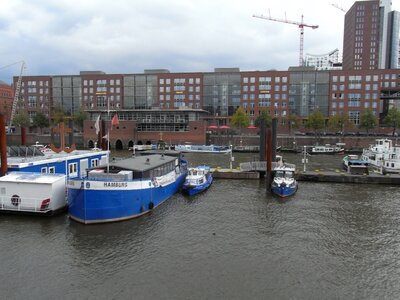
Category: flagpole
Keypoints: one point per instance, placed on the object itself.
(108, 135)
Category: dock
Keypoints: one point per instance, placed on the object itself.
(344, 177)
(233, 174)
(332, 176)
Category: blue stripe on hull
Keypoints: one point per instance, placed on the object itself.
(100, 206)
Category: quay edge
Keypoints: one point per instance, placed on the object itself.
(342, 177)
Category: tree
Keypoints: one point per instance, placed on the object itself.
(368, 120)
(339, 123)
(316, 122)
(58, 115)
(293, 122)
(79, 117)
(392, 119)
(240, 118)
(264, 115)
(40, 120)
(21, 119)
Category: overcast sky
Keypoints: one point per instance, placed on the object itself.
(64, 37)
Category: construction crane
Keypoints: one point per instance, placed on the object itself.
(339, 7)
(16, 95)
(301, 26)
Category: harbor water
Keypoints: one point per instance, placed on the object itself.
(234, 241)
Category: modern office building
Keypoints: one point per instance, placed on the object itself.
(370, 36)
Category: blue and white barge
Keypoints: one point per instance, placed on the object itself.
(125, 189)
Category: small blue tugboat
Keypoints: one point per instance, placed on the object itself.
(198, 180)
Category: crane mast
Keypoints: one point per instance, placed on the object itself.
(301, 25)
(16, 95)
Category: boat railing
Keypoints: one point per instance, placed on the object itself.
(24, 204)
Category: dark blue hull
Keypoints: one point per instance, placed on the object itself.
(283, 191)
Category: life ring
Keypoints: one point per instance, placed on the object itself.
(15, 200)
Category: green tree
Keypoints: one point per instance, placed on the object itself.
(240, 118)
(58, 115)
(40, 120)
(368, 120)
(392, 119)
(316, 122)
(21, 119)
(293, 122)
(339, 123)
(264, 115)
(79, 117)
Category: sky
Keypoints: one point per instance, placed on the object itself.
(65, 37)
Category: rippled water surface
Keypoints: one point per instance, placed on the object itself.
(235, 241)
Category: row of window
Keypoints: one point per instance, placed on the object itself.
(102, 82)
(179, 81)
(264, 79)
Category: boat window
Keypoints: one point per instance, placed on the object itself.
(279, 174)
(288, 174)
(43, 170)
(52, 170)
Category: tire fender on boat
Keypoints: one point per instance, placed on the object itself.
(151, 205)
(155, 182)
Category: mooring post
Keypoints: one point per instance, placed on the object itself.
(262, 141)
(274, 135)
(269, 159)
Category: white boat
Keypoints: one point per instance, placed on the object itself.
(284, 183)
(203, 148)
(383, 156)
(34, 178)
(198, 180)
(30, 192)
(354, 164)
(327, 149)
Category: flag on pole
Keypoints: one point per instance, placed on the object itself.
(115, 120)
(106, 137)
(97, 125)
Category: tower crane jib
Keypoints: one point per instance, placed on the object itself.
(301, 25)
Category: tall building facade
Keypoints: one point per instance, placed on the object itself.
(298, 91)
(370, 36)
(6, 100)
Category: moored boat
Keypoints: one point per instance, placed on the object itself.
(203, 148)
(33, 193)
(125, 189)
(198, 180)
(35, 182)
(284, 183)
(383, 156)
(354, 164)
(327, 149)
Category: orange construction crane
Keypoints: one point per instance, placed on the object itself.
(301, 26)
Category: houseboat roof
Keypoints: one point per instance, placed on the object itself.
(142, 163)
(31, 177)
(23, 161)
